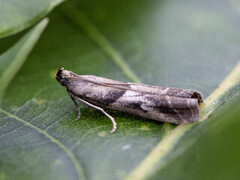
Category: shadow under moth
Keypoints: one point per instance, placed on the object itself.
(165, 104)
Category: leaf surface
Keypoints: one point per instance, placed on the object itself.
(18, 15)
(169, 43)
(12, 60)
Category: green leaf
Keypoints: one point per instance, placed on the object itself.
(165, 153)
(210, 150)
(18, 15)
(169, 43)
(12, 60)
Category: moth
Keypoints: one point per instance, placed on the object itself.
(166, 104)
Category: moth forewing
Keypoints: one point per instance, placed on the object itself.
(177, 92)
(167, 104)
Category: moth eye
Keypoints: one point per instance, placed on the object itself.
(59, 73)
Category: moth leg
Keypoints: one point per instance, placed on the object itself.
(76, 104)
(98, 108)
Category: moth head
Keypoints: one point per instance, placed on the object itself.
(61, 76)
(198, 96)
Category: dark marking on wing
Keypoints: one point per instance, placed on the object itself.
(161, 107)
(169, 112)
(112, 97)
(135, 105)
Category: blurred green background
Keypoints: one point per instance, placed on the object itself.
(185, 44)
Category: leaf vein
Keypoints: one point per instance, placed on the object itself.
(74, 160)
(156, 156)
(83, 22)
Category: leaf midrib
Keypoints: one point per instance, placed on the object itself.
(167, 143)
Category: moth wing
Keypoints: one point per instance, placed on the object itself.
(154, 102)
(157, 90)
(184, 110)
(163, 108)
